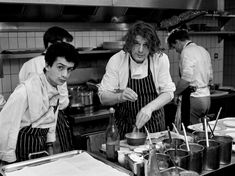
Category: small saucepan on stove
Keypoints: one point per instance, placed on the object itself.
(136, 138)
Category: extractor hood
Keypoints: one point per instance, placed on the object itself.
(99, 10)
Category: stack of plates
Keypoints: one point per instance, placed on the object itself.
(113, 45)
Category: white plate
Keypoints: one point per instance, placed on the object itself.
(229, 123)
(227, 87)
(233, 148)
(217, 128)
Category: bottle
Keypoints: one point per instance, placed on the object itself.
(112, 138)
(152, 168)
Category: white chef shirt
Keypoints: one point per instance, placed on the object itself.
(195, 67)
(30, 104)
(117, 73)
(36, 65)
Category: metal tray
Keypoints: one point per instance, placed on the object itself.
(47, 159)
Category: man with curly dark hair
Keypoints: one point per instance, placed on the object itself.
(138, 81)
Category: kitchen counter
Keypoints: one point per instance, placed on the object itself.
(86, 127)
(223, 169)
(226, 102)
(83, 117)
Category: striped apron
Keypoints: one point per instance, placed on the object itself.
(64, 132)
(31, 140)
(126, 112)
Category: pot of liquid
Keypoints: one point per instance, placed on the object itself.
(136, 138)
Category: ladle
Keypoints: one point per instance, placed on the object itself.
(206, 132)
(212, 134)
(150, 141)
(175, 128)
(169, 134)
(185, 137)
(217, 119)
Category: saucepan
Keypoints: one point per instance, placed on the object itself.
(135, 138)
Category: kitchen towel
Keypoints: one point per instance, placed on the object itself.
(81, 164)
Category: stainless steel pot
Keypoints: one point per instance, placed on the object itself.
(87, 97)
(136, 138)
(75, 99)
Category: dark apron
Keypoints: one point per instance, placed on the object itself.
(126, 112)
(31, 140)
(64, 132)
(185, 104)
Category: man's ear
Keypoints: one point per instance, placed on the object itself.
(47, 67)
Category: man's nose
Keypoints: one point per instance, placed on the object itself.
(141, 48)
(65, 73)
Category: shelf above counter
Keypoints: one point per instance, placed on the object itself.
(212, 32)
(221, 34)
(28, 55)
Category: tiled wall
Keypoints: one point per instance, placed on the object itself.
(33, 40)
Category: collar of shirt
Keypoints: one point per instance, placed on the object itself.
(51, 90)
(187, 43)
(139, 70)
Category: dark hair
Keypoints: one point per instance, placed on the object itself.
(177, 34)
(61, 49)
(55, 34)
(146, 31)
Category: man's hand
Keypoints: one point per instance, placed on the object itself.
(128, 95)
(143, 117)
(176, 99)
(50, 148)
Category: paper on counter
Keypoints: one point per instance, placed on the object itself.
(82, 164)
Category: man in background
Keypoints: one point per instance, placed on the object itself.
(195, 76)
(53, 35)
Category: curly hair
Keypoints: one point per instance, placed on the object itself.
(145, 30)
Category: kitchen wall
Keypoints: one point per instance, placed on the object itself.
(95, 70)
(229, 47)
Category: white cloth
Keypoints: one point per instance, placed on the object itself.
(30, 104)
(82, 164)
(117, 73)
(36, 65)
(195, 67)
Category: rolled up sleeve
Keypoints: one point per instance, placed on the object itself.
(110, 80)
(165, 82)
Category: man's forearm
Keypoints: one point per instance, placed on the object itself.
(181, 86)
(110, 98)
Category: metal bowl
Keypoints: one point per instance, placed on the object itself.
(136, 138)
